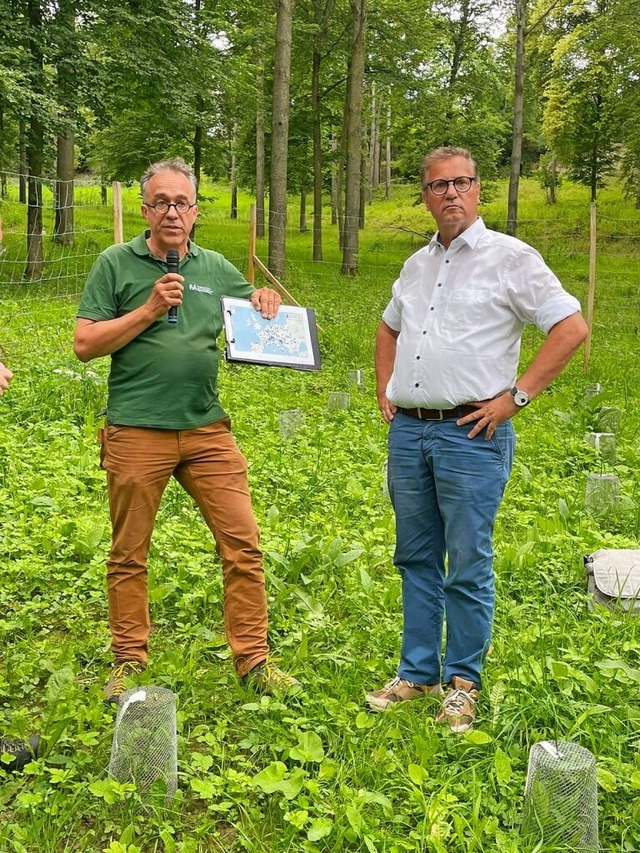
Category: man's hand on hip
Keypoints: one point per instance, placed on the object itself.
(387, 408)
(490, 414)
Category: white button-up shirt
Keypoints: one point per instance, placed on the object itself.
(460, 313)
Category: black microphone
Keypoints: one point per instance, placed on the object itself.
(173, 262)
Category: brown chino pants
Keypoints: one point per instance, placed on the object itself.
(209, 466)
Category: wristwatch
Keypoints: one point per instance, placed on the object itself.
(520, 397)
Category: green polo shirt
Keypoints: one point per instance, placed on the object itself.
(166, 377)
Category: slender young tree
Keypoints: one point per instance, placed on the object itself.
(280, 138)
(353, 137)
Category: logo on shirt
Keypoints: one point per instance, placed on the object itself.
(200, 288)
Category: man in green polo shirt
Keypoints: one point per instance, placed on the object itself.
(164, 419)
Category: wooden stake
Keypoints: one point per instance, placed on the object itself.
(116, 188)
(593, 233)
(251, 270)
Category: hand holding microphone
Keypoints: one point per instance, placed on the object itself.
(173, 262)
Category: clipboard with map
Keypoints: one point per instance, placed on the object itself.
(290, 339)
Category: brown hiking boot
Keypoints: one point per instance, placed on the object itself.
(117, 684)
(459, 705)
(400, 690)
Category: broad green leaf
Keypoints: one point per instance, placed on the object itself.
(309, 748)
(328, 769)
(635, 780)
(292, 786)
(607, 780)
(619, 665)
(204, 788)
(477, 737)
(355, 819)
(320, 828)
(559, 669)
(365, 579)
(269, 779)
(417, 774)
(58, 682)
(364, 720)
(502, 767)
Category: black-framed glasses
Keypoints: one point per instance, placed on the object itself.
(163, 207)
(462, 184)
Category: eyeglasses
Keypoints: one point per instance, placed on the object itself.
(462, 184)
(163, 207)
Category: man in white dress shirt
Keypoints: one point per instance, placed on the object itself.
(447, 354)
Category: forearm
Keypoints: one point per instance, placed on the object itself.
(555, 353)
(103, 337)
(385, 355)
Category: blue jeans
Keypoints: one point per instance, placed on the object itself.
(446, 490)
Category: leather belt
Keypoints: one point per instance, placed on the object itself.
(438, 414)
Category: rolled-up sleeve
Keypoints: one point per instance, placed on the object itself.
(535, 293)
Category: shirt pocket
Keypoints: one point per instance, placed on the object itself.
(466, 309)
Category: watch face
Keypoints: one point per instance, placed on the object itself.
(521, 398)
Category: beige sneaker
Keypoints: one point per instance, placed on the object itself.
(400, 690)
(459, 705)
(121, 672)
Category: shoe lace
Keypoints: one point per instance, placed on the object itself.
(456, 700)
(120, 673)
(393, 683)
(13, 747)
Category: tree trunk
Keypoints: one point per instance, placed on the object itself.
(303, 209)
(234, 172)
(260, 154)
(35, 148)
(518, 120)
(373, 141)
(103, 193)
(66, 84)
(317, 157)
(280, 139)
(22, 157)
(64, 222)
(3, 177)
(334, 181)
(553, 180)
(387, 171)
(363, 189)
(353, 137)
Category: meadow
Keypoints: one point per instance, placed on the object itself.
(315, 772)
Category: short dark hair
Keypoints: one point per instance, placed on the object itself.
(444, 153)
(177, 164)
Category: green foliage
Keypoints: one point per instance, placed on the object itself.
(316, 772)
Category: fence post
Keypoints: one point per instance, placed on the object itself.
(251, 269)
(116, 188)
(593, 233)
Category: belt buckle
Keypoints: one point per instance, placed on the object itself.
(420, 410)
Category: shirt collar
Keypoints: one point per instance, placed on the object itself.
(470, 236)
(139, 246)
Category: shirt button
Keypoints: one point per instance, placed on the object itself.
(417, 384)
(446, 262)
(439, 284)
(424, 333)
(417, 358)
(432, 308)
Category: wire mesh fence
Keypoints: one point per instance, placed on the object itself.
(67, 256)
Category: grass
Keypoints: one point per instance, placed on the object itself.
(317, 773)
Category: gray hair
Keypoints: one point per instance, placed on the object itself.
(177, 164)
(445, 153)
